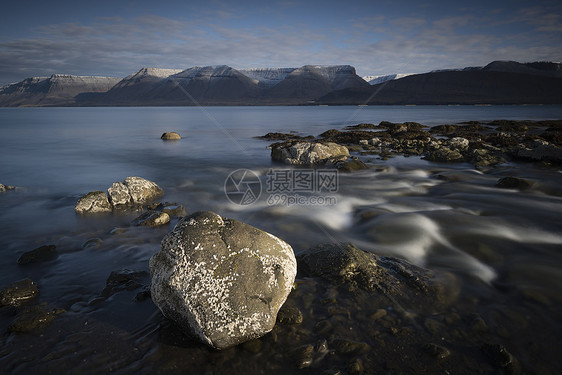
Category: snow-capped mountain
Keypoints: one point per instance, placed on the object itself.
(58, 89)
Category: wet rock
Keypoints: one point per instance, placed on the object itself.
(437, 351)
(18, 293)
(344, 346)
(170, 136)
(380, 313)
(352, 165)
(119, 196)
(142, 191)
(459, 143)
(4, 188)
(444, 154)
(289, 315)
(309, 153)
(221, 280)
(151, 219)
(174, 210)
(40, 254)
(93, 202)
(345, 263)
(34, 318)
(273, 136)
(544, 152)
(502, 357)
(91, 243)
(121, 280)
(514, 183)
(302, 356)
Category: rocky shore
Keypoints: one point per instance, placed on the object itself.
(224, 296)
(482, 144)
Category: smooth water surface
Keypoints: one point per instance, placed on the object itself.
(446, 217)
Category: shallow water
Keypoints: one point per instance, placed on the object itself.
(503, 246)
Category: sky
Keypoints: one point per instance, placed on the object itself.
(377, 37)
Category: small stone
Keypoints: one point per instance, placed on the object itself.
(18, 292)
(170, 136)
(437, 351)
(174, 210)
(478, 324)
(40, 254)
(289, 315)
(344, 346)
(92, 243)
(121, 280)
(323, 327)
(93, 202)
(6, 188)
(302, 356)
(378, 314)
(34, 318)
(356, 366)
(352, 165)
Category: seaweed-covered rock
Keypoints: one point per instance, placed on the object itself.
(309, 153)
(221, 280)
(18, 292)
(345, 263)
(93, 202)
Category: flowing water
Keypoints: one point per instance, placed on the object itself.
(505, 246)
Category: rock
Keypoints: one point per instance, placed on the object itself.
(344, 346)
(152, 219)
(273, 136)
(92, 243)
(437, 351)
(352, 165)
(345, 263)
(544, 152)
(34, 318)
(119, 196)
(40, 254)
(6, 188)
(289, 315)
(444, 154)
(170, 136)
(142, 191)
(123, 280)
(18, 292)
(309, 153)
(172, 209)
(93, 202)
(221, 280)
(514, 183)
(459, 143)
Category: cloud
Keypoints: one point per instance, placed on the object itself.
(378, 44)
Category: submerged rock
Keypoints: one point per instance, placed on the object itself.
(514, 183)
(347, 264)
(93, 202)
(170, 136)
(309, 153)
(34, 318)
(40, 254)
(152, 219)
(221, 280)
(18, 292)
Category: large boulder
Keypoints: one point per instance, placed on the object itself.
(309, 153)
(142, 191)
(221, 280)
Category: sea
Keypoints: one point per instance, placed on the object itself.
(444, 217)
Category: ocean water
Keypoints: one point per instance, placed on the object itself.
(445, 217)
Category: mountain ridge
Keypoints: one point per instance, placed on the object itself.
(500, 82)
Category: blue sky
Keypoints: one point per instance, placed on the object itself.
(117, 38)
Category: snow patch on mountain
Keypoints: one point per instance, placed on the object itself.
(375, 80)
(267, 77)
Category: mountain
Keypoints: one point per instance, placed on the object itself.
(267, 77)
(496, 83)
(374, 80)
(312, 81)
(58, 89)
